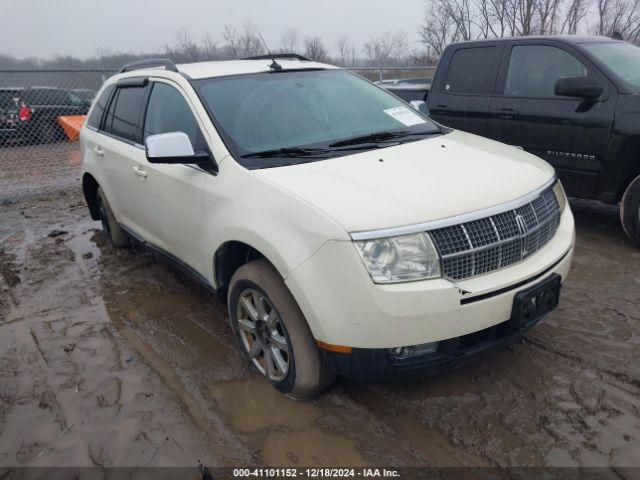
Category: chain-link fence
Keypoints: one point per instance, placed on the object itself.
(44, 106)
(415, 75)
(42, 111)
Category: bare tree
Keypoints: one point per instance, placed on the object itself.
(315, 49)
(463, 15)
(547, 11)
(574, 15)
(386, 49)
(453, 20)
(186, 47)
(209, 47)
(289, 41)
(499, 17)
(243, 43)
(346, 53)
(232, 43)
(438, 29)
(250, 41)
(621, 16)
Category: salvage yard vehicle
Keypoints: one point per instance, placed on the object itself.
(47, 105)
(349, 234)
(412, 93)
(15, 116)
(573, 101)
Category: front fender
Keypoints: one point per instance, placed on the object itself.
(247, 208)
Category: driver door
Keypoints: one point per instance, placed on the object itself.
(570, 133)
(173, 200)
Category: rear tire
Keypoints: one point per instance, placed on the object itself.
(112, 230)
(273, 333)
(630, 211)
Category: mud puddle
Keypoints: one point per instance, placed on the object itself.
(109, 357)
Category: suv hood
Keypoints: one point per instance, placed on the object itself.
(415, 182)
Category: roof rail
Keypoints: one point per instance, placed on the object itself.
(150, 63)
(279, 55)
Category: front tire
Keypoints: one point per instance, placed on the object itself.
(273, 333)
(112, 230)
(630, 211)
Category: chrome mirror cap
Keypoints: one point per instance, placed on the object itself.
(169, 145)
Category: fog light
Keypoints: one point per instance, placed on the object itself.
(401, 352)
(414, 350)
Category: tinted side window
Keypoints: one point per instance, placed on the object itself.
(168, 111)
(472, 71)
(535, 69)
(98, 110)
(123, 119)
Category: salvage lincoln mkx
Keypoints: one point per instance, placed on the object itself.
(348, 233)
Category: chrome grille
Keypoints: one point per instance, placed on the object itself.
(488, 244)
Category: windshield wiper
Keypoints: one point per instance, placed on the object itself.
(287, 152)
(375, 138)
(371, 138)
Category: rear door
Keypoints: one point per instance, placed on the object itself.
(570, 133)
(463, 92)
(122, 152)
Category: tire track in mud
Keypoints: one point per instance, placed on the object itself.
(168, 377)
(59, 376)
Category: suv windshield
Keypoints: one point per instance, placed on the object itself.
(289, 117)
(621, 58)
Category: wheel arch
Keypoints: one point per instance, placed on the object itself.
(631, 167)
(90, 189)
(229, 257)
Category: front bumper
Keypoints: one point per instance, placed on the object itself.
(344, 307)
(378, 364)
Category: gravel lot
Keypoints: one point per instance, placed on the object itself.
(111, 358)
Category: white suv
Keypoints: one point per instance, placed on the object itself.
(348, 233)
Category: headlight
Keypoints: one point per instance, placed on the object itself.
(400, 259)
(560, 195)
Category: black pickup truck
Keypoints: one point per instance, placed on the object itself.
(573, 101)
(47, 104)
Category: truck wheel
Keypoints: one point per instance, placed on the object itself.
(112, 230)
(273, 333)
(630, 211)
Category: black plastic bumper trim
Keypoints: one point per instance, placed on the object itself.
(376, 364)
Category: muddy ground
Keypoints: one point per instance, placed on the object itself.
(109, 357)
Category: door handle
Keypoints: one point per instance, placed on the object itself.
(505, 113)
(139, 172)
(98, 150)
(441, 109)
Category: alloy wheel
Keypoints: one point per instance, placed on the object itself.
(263, 334)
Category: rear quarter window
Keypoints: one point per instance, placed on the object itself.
(98, 110)
(123, 118)
(472, 71)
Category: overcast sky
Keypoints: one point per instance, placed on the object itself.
(43, 28)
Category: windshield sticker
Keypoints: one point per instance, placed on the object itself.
(405, 116)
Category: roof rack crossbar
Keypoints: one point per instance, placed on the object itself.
(150, 63)
(280, 55)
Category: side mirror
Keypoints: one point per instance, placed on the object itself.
(172, 147)
(581, 87)
(421, 106)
